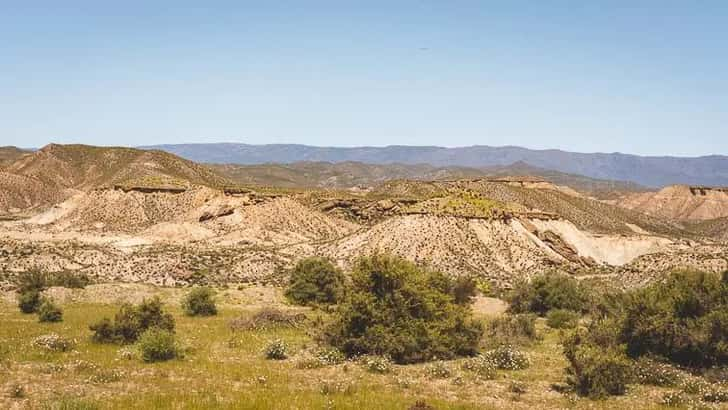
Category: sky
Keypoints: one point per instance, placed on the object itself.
(640, 77)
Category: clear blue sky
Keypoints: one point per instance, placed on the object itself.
(645, 77)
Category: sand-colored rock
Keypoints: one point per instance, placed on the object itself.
(680, 202)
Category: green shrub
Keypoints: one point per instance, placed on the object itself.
(548, 291)
(562, 319)
(315, 281)
(131, 321)
(276, 350)
(29, 301)
(684, 319)
(398, 310)
(519, 329)
(200, 302)
(158, 345)
(595, 371)
(49, 312)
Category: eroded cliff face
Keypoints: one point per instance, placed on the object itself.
(680, 202)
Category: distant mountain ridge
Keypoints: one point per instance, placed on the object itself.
(350, 174)
(652, 171)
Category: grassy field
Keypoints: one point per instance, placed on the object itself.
(223, 369)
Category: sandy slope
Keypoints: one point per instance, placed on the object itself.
(679, 202)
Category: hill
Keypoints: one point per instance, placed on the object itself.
(85, 167)
(55, 172)
(8, 155)
(19, 192)
(652, 171)
(349, 174)
(713, 228)
(533, 195)
(680, 202)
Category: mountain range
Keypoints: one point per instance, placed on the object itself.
(651, 171)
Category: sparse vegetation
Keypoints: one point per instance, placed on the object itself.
(200, 302)
(481, 366)
(37, 280)
(438, 370)
(518, 329)
(315, 281)
(268, 318)
(398, 310)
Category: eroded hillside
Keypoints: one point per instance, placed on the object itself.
(136, 216)
(680, 202)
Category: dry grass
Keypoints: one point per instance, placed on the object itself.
(223, 369)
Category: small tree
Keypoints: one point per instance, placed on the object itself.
(49, 312)
(315, 281)
(398, 310)
(200, 302)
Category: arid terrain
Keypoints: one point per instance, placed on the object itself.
(143, 216)
(141, 223)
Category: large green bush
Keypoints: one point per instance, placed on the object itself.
(131, 321)
(548, 291)
(596, 371)
(684, 319)
(398, 310)
(315, 280)
(157, 345)
(200, 302)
